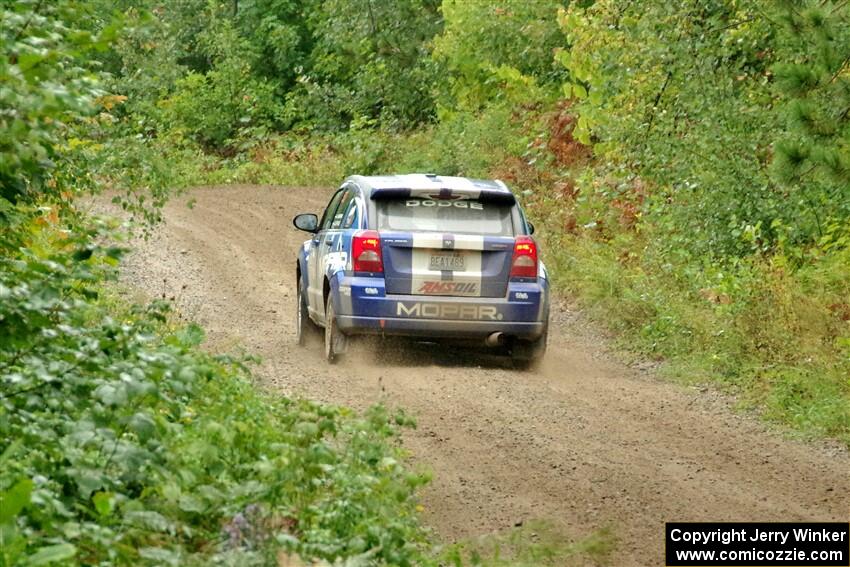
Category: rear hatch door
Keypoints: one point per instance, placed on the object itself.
(459, 247)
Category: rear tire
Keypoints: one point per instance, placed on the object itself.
(335, 341)
(526, 355)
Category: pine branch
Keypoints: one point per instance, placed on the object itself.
(733, 25)
(658, 99)
(840, 68)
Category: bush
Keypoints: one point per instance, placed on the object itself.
(482, 41)
(122, 443)
(227, 102)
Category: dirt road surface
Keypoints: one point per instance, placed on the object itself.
(584, 442)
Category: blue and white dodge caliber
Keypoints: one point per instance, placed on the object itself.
(438, 258)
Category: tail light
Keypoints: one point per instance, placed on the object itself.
(524, 263)
(366, 252)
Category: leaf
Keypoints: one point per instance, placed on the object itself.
(27, 61)
(112, 394)
(307, 429)
(189, 503)
(115, 252)
(191, 335)
(88, 480)
(160, 555)
(579, 91)
(104, 503)
(14, 446)
(83, 254)
(14, 500)
(149, 520)
(52, 554)
(143, 426)
(595, 97)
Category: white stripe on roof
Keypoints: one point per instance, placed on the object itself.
(420, 181)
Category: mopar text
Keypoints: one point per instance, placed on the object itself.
(447, 311)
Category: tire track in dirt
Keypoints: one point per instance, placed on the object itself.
(584, 442)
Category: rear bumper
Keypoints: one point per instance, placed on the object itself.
(365, 308)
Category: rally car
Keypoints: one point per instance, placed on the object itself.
(427, 256)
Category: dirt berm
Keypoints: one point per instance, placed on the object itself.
(584, 442)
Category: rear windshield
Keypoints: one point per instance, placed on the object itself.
(426, 215)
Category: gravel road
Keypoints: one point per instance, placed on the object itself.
(585, 442)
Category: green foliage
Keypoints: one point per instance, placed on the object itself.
(772, 336)
(685, 96)
(57, 118)
(465, 144)
(716, 211)
(279, 35)
(493, 50)
(47, 90)
(812, 75)
(226, 102)
(679, 95)
(144, 65)
(368, 61)
(536, 544)
(122, 443)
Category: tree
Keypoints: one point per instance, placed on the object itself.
(813, 79)
(369, 59)
(484, 43)
(48, 88)
(681, 95)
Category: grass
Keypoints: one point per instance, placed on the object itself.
(534, 544)
(763, 332)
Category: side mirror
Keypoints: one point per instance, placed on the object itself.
(530, 227)
(308, 222)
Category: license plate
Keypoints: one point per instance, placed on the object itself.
(453, 261)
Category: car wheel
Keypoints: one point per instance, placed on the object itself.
(304, 327)
(335, 341)
(526, 355)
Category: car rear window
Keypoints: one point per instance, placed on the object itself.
(461, 216)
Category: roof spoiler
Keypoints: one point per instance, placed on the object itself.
(484, 195)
